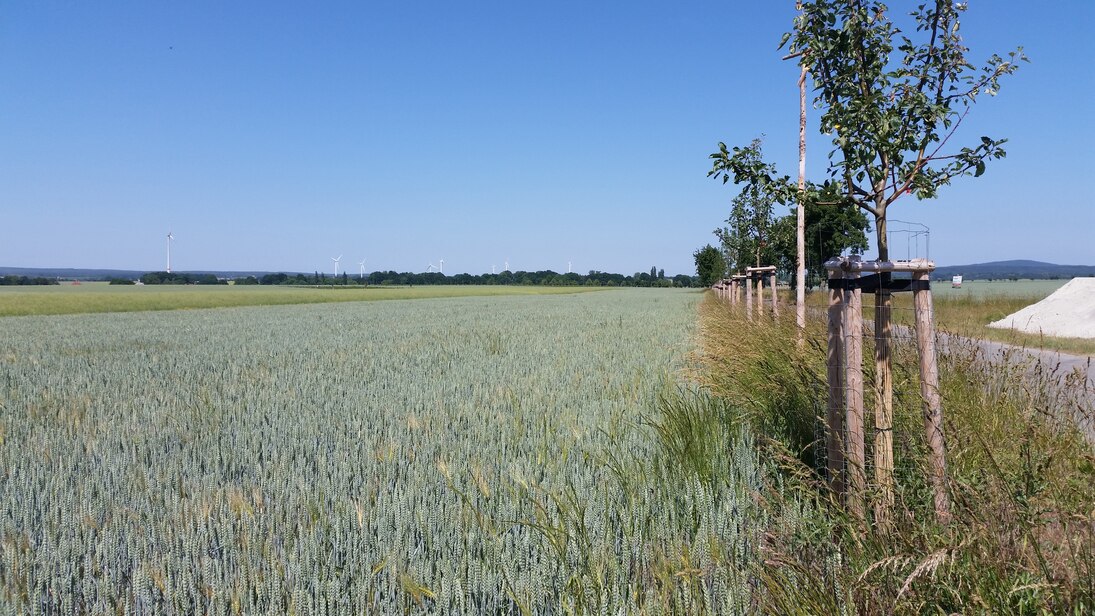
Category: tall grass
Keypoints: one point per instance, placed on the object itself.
(1021, 476)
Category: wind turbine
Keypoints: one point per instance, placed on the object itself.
(492, 270)
(568, 267)
(442, 268)
(169, 238)
(429, 268)
(361, 276)
(336, 260)
(505, 268)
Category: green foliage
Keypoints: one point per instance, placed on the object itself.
(10, 280)
(710, 266)
(537, 278)
(832, 228)
(753, 235)
(893, 95)
(748, 237)
(154, 278)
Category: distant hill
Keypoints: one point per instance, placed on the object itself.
(1003, 270)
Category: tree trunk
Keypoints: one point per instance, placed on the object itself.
(834, 443)
(883, 390)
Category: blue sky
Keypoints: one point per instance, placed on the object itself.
(275, 135)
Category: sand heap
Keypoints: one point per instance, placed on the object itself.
(1068, 313)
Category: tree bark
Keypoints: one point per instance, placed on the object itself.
(834, 439)
(883, 390)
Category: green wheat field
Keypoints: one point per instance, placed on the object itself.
(101, 297)
(455, 455)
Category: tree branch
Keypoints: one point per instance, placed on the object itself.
(922, 160)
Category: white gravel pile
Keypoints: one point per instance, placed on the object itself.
(1068, 313)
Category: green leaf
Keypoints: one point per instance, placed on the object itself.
(986, 141)
(980, 168)
(783, 41)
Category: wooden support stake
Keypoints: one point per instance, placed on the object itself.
(929, 391)
(775, 305)
(759, 294)
(834, 440)
(749, 298)
(856, 448)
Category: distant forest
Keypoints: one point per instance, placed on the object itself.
(11, 281)
(654, 278)
(174, 278)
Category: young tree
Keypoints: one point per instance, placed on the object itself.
(709, 265)
(831, 230)
(893, 113)
(747, 238)
(893, 97)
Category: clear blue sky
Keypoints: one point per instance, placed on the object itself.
(275, 135)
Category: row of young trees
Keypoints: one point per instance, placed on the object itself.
(754, 234)
(891, 98)
(890, 105)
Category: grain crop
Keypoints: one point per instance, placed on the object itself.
(467, 455)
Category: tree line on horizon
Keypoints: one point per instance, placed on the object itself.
(654, 278)
(12, 280)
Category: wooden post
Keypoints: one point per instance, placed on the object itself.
(929, 391)
(775, 304)
(800, 211)
(883, 407)
(856, 448)
(749, 298)
(759, 281)
(834, 440)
